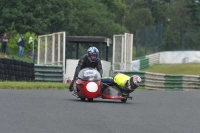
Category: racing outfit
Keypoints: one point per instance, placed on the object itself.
(119, 80)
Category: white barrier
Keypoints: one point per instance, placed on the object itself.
(173, 57)
(170, 57)
(72, 63)
(154, 58)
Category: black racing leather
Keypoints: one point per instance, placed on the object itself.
(84, 62)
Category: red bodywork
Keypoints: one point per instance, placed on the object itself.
(107, 96)
(84, 93)
(88, 85)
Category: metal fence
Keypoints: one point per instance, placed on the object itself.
(149, 40)
(161, 38)
(122, 51)
(51, 49)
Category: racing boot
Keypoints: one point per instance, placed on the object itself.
(71, 86)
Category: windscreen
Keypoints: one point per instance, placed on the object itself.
(89, 74)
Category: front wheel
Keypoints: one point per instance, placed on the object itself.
(90, 99)
(124, 100)
(82, 99)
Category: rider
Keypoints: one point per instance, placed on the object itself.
(124, 82)
(90, 59)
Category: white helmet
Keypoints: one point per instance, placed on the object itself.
(135, 81)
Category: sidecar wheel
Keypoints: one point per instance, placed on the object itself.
(124, 100)
(82, 99)
(90, 99)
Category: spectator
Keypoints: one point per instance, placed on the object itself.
(4, 43)
(21, 46)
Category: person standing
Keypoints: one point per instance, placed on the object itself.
(21, 46)
(4, 43)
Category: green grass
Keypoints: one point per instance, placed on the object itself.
(185, 69)
(33, 85)
(24, 58)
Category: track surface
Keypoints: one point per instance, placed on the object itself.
(57, 111)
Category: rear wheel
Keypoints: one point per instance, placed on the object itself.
(90, 99)
(82, 99)
(124, 100)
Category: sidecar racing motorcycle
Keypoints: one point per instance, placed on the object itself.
(88, 86)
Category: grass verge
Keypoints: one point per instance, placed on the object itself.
(24, 58)
(33, 85)
(184, 69)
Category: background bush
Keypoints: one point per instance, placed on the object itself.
(13, 47)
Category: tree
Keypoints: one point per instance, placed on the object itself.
(159, 10)
(76, 17)
(194, 7)
(117, 8)
(171, 40)
(179, 15)
(139, 19)
(91, 18)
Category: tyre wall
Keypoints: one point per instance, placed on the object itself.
(15, 70)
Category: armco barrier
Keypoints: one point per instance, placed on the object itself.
(153, 58)
(146, 61)
(156, 81)
(143, 62)
(48, 73)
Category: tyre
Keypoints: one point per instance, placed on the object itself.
(1, 66)
(32, 65)
(4, 61)
(124, 100)
(5, 77)
(14, 62)
(2, 71)
(90, 99)
(5, 66)
(11, 61)
(5, 72)
(9, 72)
(82, 99)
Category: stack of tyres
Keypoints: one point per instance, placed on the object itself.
(16, 70)
(2, 77)
(6, 71)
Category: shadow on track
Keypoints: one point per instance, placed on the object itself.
(101, 101)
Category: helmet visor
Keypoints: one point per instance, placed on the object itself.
(128, 85)
(93, 57)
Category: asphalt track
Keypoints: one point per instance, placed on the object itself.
(57, 111)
